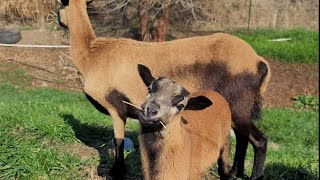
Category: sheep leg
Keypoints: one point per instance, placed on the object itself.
(118, 170)
(223, 160)
(241, 150)
(259, 142)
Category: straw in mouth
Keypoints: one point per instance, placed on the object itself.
(164, 126)
(132, 105)
(141, 110)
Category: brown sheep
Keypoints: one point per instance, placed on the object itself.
(196, 133)
(218, 62)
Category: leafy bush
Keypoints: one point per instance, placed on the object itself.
(306, 101)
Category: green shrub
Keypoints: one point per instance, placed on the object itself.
(306, 101)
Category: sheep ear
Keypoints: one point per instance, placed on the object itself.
(89, 1)
(145, 74)
(65, 2)
(198, 103)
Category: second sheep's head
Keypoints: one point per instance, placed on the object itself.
(166, 99)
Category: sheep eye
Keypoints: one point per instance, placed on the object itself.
(180, 106)
(177, 100)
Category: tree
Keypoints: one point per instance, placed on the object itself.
(156, 28)
(154, 14)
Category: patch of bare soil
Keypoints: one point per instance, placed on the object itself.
(85, 153)
(50, 67)
(290, 80)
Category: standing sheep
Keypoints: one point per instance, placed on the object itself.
(218, 62)
(196, 133)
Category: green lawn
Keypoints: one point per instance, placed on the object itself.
(41, 131)
(302, 48)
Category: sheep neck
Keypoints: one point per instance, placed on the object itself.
(174, 152)
(81, 34)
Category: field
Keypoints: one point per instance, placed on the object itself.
(48, 130)
(54, 134)
(298, 45)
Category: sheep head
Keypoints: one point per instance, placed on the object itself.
(62, 11)
(166, 99)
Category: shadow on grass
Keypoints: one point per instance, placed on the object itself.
(280, 171)
(274, 172)
(99, 137)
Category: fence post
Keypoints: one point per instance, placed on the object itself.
(41, 15)
(249, 16)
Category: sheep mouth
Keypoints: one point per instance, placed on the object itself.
(148, 120)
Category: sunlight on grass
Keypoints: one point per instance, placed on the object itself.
(42, 132)
(35, 123)
(302, 48)
(293, 145)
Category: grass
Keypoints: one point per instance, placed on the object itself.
(10, 73)
(306, 101)
(42, 132)
(27, 28)
(293, 151)
(39, 126)
(303, 48)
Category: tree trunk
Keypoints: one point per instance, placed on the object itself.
(144, 22)
(162, 23)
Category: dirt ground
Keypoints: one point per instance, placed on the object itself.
(52, 67)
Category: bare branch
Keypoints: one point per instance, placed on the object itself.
(111, 6)
(187, 5)
(26, 64)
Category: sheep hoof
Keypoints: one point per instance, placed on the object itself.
(257, 178)
(118, 171)
(234, 175)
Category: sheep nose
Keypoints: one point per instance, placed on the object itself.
(152, 110)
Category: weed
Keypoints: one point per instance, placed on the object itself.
(306, 101)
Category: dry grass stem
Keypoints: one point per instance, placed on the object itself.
(164, 126)
(132, 105)
(25, 10)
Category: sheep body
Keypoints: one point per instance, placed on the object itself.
(117, 58)
(195, 142)
(219, 62)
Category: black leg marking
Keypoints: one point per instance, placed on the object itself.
(118, 170)
(241, 150)
(116, 98)
(259, 142)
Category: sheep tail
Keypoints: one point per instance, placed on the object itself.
(263, 76)
(263, 81)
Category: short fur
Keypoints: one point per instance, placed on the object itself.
(108, 65)
(195, 142)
